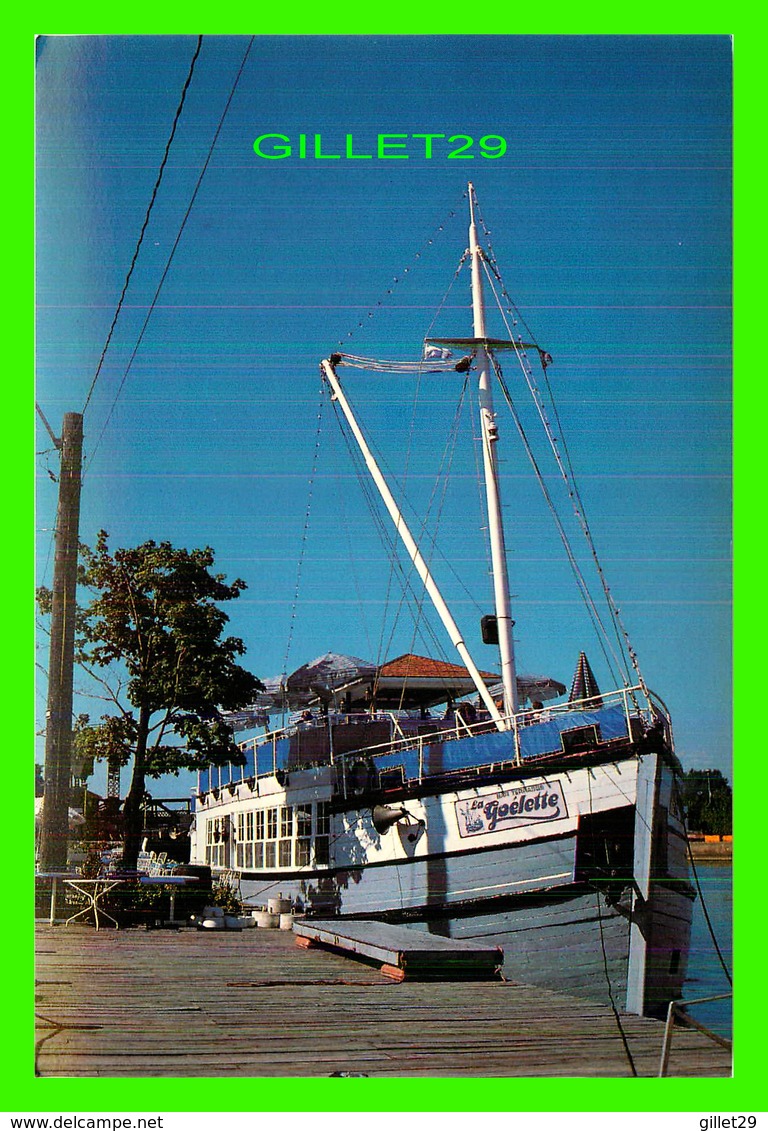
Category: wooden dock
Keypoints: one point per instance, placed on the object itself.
(251, 1003)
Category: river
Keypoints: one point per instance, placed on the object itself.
(705, 972)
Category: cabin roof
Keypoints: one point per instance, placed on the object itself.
(411, 666)
(410, 681)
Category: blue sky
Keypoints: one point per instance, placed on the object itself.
(610, 220)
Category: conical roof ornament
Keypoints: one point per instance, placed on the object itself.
(584, 687)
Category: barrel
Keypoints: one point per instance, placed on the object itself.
(278, 906)
(266, 919)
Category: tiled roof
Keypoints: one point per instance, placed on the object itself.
(410, 666)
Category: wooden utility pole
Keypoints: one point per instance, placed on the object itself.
(58, 736)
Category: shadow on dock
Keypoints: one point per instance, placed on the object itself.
(188, 1004)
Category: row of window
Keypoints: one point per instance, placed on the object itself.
(286, 836)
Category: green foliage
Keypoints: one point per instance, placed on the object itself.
(112, 738)
(225, 896)
(154, 618)
(151, 636)
(708, 800)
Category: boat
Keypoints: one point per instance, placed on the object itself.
(467, 803)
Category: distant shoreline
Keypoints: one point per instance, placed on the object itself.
(714, 851)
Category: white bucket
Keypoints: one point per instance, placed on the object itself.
(278, 906)
(286, 921)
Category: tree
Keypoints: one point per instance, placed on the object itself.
(151, 637)
(708, 800)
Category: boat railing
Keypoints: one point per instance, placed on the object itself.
(384, 756)
(416, 735)
(678, 1011)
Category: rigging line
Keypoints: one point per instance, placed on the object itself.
(600, 631)
(448, 454)
(146, 220)
(485, 533)
(708, 921)
(618, 628)
(346, 524)
(389, 538)
(409, 446)
(581, 583)
(569, 479)
(395, 479)
(443, 472)
(444, 299)
(421, 520)
(493, 263)
(386, 534)
(175, 245)
(305, 531)
(363, 480)
(371, 503)
(522, 358)
(386, 538)
(396, 279)
(588, 535)
(424, 519)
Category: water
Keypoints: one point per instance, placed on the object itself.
(705, 972)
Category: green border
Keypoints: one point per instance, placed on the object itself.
(25, 1093)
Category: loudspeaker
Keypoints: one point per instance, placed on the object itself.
(489, 629)
(384, 817)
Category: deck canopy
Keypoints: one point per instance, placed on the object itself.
(407, 683)
(535, 688)
(314, 682)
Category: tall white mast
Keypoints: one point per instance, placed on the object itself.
(410, 544)
(490, 438)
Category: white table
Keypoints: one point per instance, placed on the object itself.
(94, 891)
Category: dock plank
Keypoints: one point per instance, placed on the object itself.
(156, 1004)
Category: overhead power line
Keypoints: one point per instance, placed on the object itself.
(175, 246)
(146, 219)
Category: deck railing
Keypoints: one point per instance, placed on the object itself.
(405, 737)
(448, 732)
(679, 1009)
